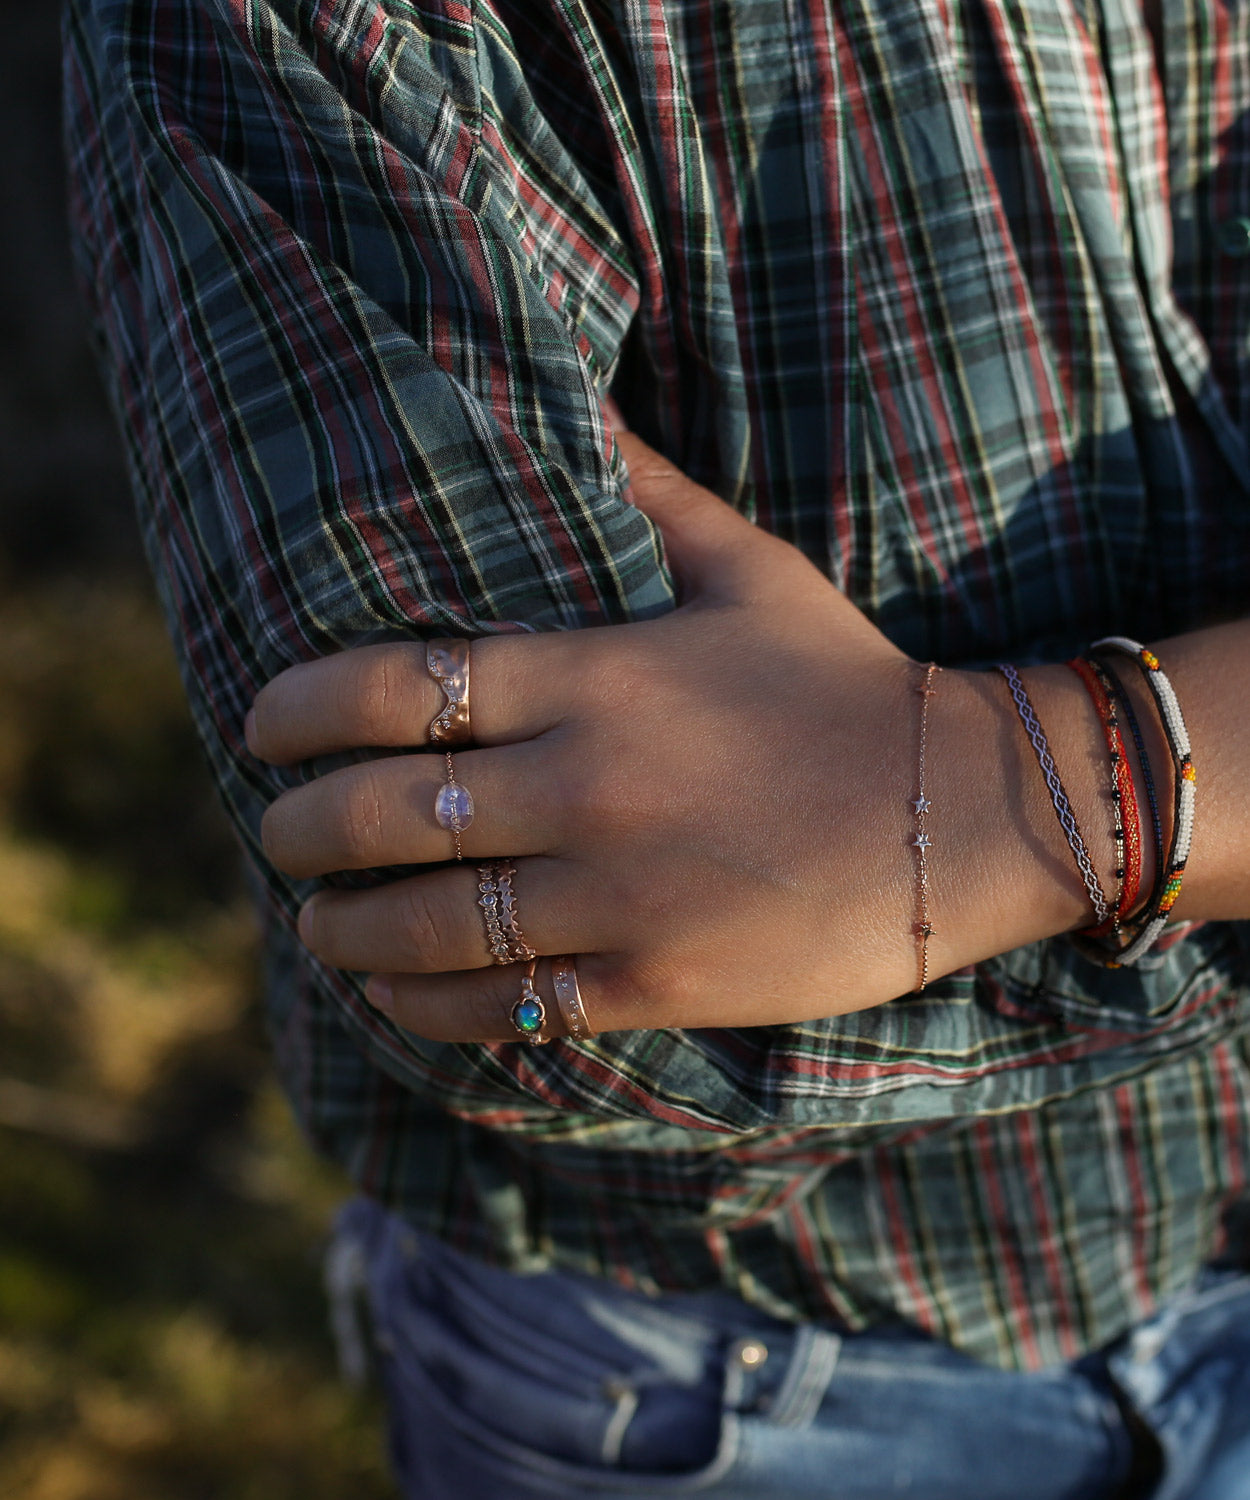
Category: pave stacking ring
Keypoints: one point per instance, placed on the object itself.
(498, 902)
(529, 1012)
(447, 662)
(569, 998)
(521, 950)
(453, 806)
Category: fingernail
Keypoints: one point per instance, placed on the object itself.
(379, 994)
(307, 921)
(249, 730)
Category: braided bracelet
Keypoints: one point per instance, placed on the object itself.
(1170, 875)
(1063, 808)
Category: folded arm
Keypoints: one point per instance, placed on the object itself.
(714, 809)
(360, 402)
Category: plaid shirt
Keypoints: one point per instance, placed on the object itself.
(952, 294)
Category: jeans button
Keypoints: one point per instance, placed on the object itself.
(1234, 236)
(750, 1353)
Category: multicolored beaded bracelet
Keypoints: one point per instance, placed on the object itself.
(1171, 873)
(1143, 759)
(1126, 819)
(1063, 808)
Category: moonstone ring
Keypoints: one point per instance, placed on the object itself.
(453, 806)
(447, 662)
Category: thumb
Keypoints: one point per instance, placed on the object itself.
(711, 548)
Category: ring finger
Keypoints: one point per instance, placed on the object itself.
(441, 921)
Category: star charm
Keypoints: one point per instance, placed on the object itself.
(922, 804)
(921, 841)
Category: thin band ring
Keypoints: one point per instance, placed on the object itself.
(569, 998)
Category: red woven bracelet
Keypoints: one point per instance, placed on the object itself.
(1127, 831)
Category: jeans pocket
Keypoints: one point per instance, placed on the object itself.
(503, 1385)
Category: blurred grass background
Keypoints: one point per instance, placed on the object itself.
(162, 1333)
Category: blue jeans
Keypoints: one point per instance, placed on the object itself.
(562, 1387)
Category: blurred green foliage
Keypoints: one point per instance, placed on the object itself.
(162, 1332)
(162, 1329)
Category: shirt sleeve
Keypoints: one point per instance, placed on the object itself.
(357, 323)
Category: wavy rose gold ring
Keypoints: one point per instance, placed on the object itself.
(447, 662)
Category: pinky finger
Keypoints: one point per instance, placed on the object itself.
(503, 1003)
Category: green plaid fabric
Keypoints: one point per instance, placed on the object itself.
(952, 294)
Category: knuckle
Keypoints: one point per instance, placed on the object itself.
(364, 693)
(422, 922)
(621, 677)
(372, 694)
(617, 804)
(636, 994)
(357, 816)
(481, 1010)
(477, 1012)
(622, 999)
(491, 1010)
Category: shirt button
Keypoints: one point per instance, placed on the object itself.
(1234, 235)
(750, 1353)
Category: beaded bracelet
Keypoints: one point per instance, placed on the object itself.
(1143, 759)
(1126, 819)
(1128, 794)
(1168, 880)
(1063, 808)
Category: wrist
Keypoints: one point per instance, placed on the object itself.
(1001, 870)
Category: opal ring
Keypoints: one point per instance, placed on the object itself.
(529, 1012)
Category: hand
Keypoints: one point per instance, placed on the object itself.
(712, 810)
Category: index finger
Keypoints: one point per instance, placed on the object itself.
(384, 695)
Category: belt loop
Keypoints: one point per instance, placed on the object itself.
(812, 1363)
(346, 1274)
